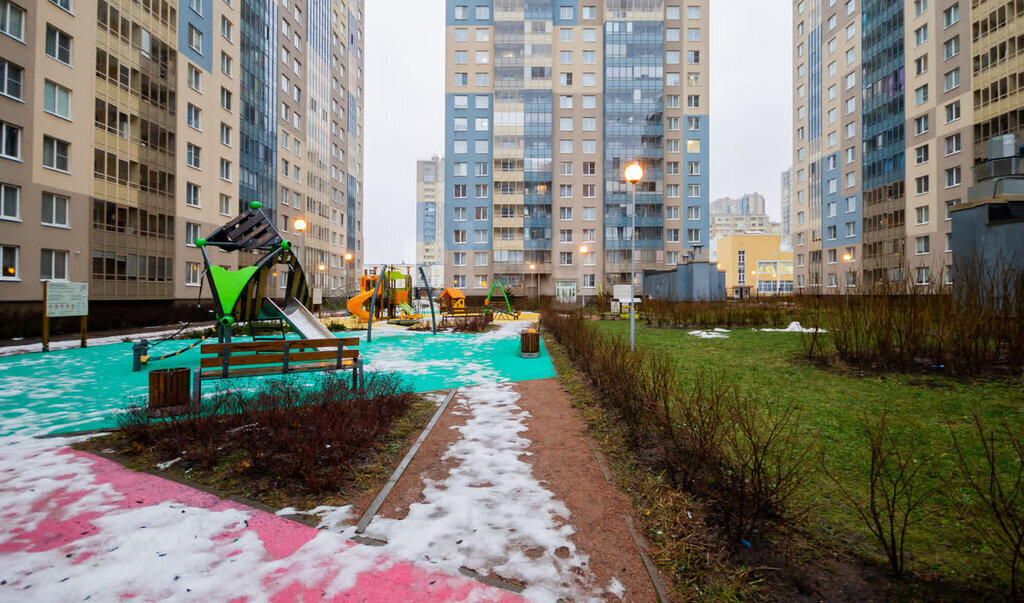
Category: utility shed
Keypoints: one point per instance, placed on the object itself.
(693, 281)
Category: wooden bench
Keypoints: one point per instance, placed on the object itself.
(246, 359)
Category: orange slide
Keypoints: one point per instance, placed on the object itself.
(355, 305)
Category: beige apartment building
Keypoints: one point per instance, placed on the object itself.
(430, 218)
(195, 114)
(881, 140)
(997, 48)
(544, 108)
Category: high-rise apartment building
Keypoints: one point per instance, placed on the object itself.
(430, 216)
(187, 130)
(787, 201)
(882, 140)
(546, 102)
(742, 215)
(997, 48)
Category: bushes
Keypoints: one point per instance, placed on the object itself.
(899, 326)
(284, 431)
(743, 451)
(758, 312)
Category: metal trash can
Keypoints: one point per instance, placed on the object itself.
(169, 388)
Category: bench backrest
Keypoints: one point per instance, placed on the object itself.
(289, 354)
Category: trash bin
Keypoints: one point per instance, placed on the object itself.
(169, 387)
(529, 344)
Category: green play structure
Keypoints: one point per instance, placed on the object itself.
(500, 305)
(240, 296)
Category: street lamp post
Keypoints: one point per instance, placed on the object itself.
(300, 227)
(633, 173)
(583, 296)
(536, 290)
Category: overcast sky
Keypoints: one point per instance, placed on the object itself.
(751, 108)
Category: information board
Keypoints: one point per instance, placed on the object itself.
(318, 297)
(65, 298)
(624, 293)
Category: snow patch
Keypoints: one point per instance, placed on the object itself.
(794, 327)
(716, 334)
(491, 514)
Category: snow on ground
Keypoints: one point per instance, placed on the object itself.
(490, 514)
(715, 334)
(794, 327)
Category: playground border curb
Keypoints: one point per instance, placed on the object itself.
(371, 511)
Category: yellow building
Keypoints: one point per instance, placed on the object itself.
(754, 264)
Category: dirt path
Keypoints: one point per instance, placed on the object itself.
(508, 486)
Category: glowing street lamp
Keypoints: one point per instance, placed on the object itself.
(584, 250)
(633, 173)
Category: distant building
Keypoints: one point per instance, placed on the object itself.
(429, 217)
(755, 264)
(742, 215)
(787, 202)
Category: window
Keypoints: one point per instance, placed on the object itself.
(56, 154)
(483, 13)
(195, 39)
(921, 214)
(480, 146)
(10, 202)
(921, 186)
(459, 191)
(192, 155)
(951, 15)
(952, 79)
(693, 168)
(953, 111)
(672, 13)
(55, 210)
(672, 191)
(225, 134)
(482, 79)
(12, 80)
(479, 236)
(459, 236)
(482, 35)
(225, 170)
(461, 124)
(952, 144)
(921, 94)
(923, 275)
(851, 79)
(921, 154)
(692, 212)
(10, 141)
(57, 100)
(58, 44)
(589, 12)
(481, 191)
(12, 23)
(693, 34)
(565, 236)
(921, 35)
(565, 191)
(481, 213)
(193, 274)
(953, 175)
(461, 57)
(831, 230)
(225, 99)
(693, 235)
(951, 47)
(194, 116)
(693, 57)
(481, 124)
(225, 205)
(483, 57)
(226, 64)
(192, 194)
(565, 258)
(922, 245)
(461, 13)
(53, 265)
(480, 258)
(671, 79)
(589, 34)
(919, 7)
(693, 12)
(461, 79)
(459, 257)
(482, 101)
(920, 125)
(195, 80)
(192, 233)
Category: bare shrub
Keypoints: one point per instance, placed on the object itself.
(896, 500)
(998, 481)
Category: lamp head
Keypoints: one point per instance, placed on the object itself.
(847, 257)
(634, 172)
(300, 224)
(348, 257)
(322, 267)
(533, 266)
(584, 249)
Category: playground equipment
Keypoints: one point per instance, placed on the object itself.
(393, 296)
(453, 301)
(500, 306)
(240, 296)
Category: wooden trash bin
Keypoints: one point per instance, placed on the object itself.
(170, 388)
(529, 344)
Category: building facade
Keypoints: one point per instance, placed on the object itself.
(754, 264)
(998, 60)
(882, 140)
(546, 102)
(187, 130)
(430, 217)
(787, 204)
(741, 215)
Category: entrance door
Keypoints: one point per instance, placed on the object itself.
(565, 292)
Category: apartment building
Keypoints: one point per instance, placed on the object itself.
(430, 217)
(787, 205)
(187, 131)
(997, 48)
(882, 140)
(546, 102)
(741, 215)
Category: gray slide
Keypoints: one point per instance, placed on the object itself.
(301, 319)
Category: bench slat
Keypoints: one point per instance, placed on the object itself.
(293, 357)
(271, 346)
(272, 370)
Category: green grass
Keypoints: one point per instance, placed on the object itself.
(832, 401)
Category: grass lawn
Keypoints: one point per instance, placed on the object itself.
(832, 402)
